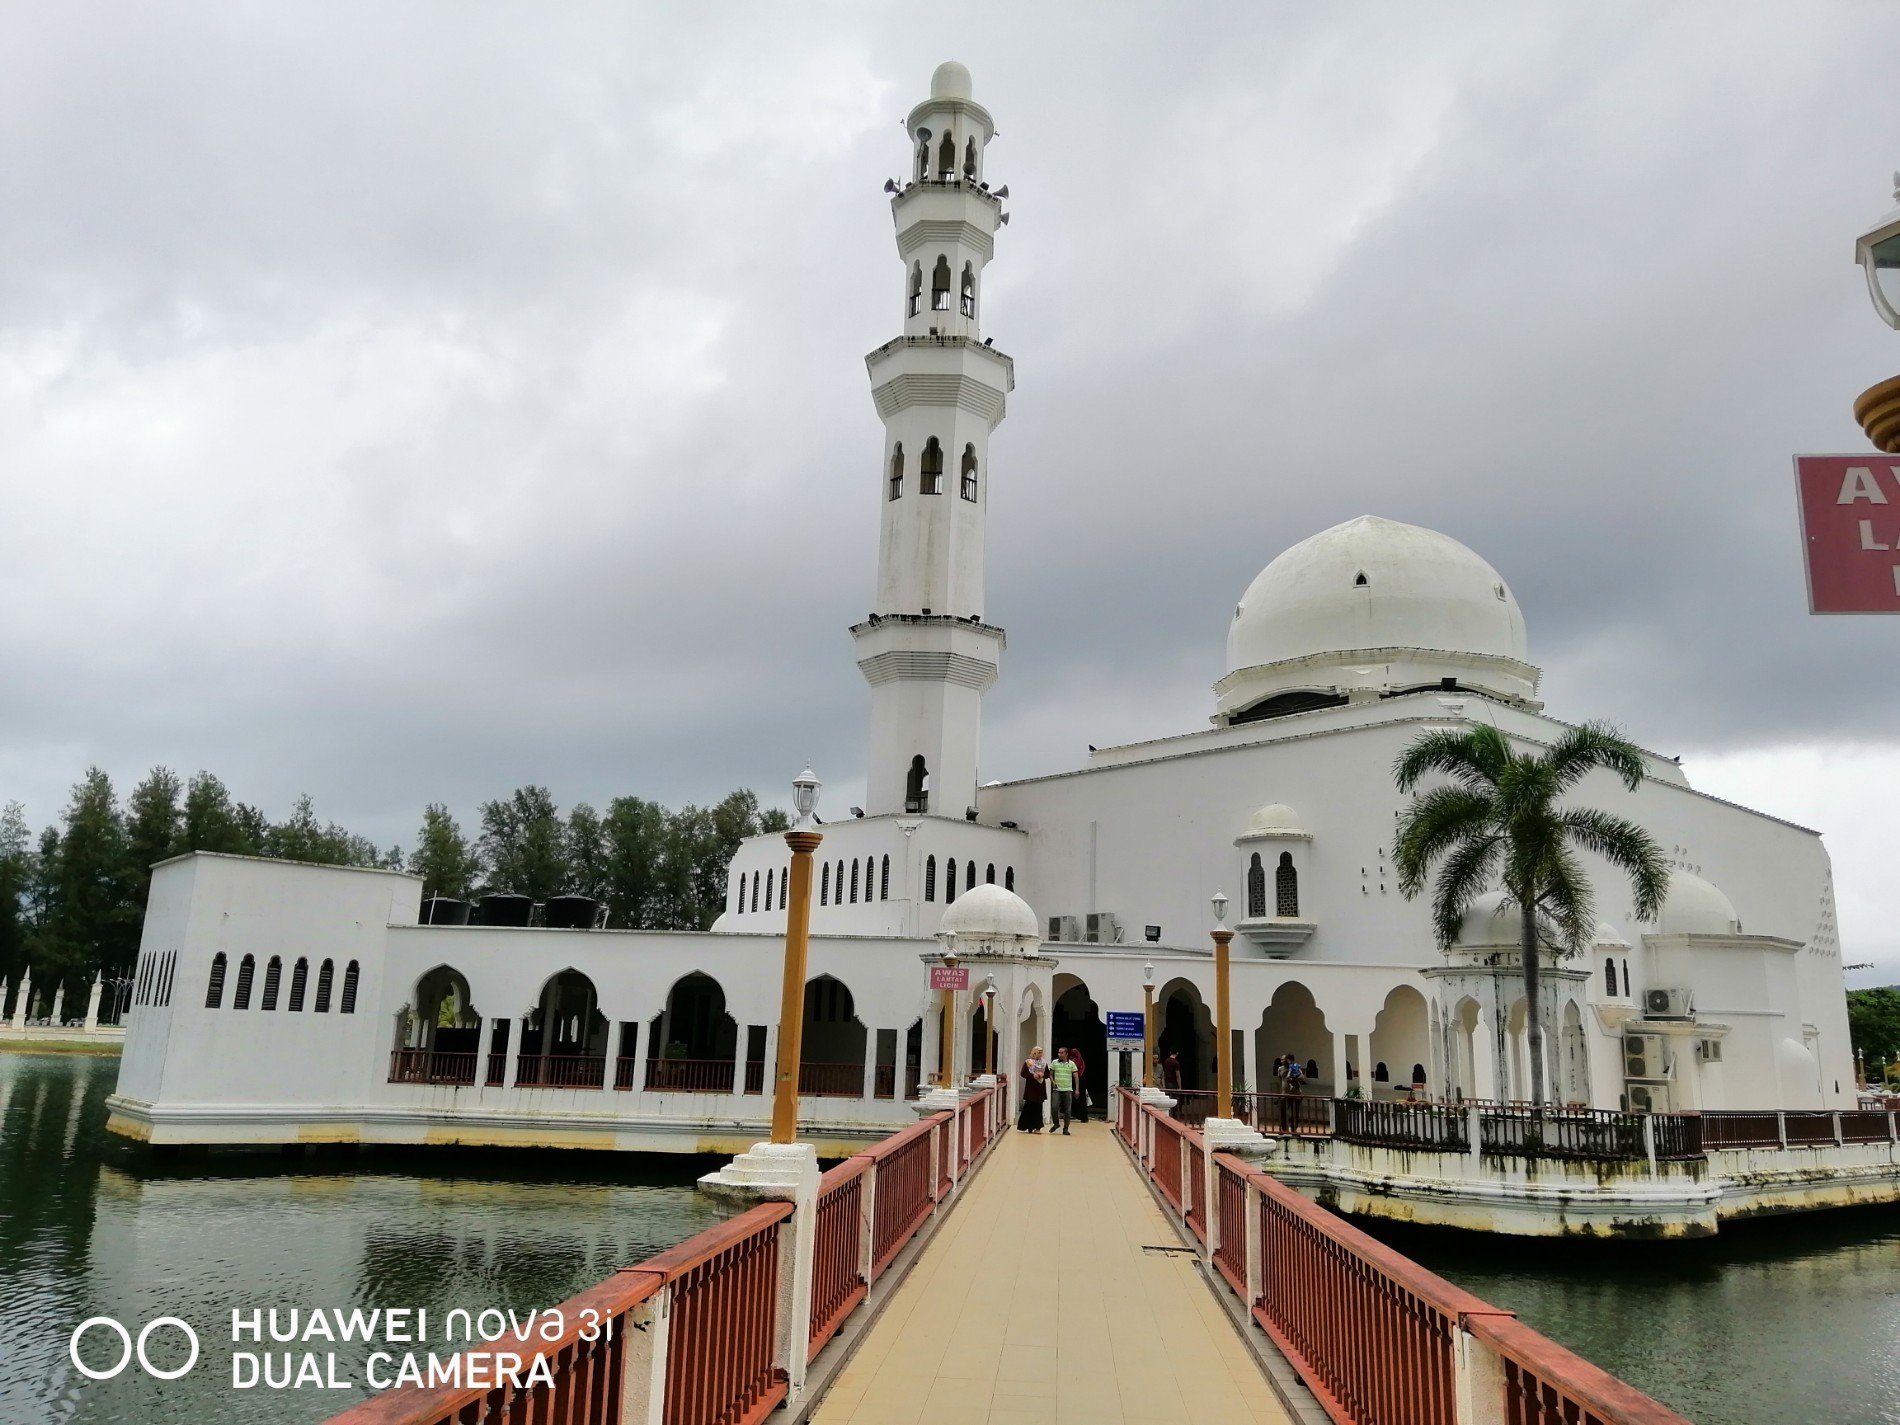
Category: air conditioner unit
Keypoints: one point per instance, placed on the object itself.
(1643, 1056)
(1649, 1098)
(1708, 1051)
(1668, 1004)
(1103, 929)
(1065, 929)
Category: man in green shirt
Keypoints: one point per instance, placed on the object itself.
(1062, 1074)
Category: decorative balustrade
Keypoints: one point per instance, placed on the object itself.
(689, 1075)
(1445, 1128)
(1283, 1113)
(1803, 1128)
(560, 1071)
(723, 1354)
(425, 1066)
(1377, 1338)
(831, 1080)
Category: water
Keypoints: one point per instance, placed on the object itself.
(1782, 1321)
(90, 1225)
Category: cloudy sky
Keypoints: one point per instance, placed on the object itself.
(403, 403)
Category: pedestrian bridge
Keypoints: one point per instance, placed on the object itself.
(962, 1272)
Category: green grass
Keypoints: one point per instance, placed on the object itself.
(57, 1046)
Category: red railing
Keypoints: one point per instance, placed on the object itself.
(560, 1071)
(1195, 1151)
(755, 1076)
(497, 1069)
(837, 1277)
(831, 1080)
(626, 1071)
(723, 1321)
(1866, 1126)
(1230, 1253)
(423, 1066)
(1809, 1127)
(1282, 1113)
(884, 1081)
(1167, 1153)
(1546, 1385)
(903, 1197)
(689, 1075)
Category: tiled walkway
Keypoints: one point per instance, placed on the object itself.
(1035, 1304)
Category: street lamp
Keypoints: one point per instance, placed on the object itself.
(1878, 252)
(989, 1024)
(1224, 1041)
(947, 1040)
(791, 1011)
(1148, 1025)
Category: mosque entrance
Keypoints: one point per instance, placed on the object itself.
(1076, 1023)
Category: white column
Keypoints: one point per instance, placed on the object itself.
(781, 1172)
(25, 999)
(92, 1003)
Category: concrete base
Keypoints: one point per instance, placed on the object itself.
(1154, 1098)
(1230, 1135)
(983, 1081)
(766, 1172)
(937, 1100)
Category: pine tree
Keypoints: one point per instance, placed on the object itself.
(154, 828)
(635, 832)
(443, 858)
(212, 823)
(94, 923)
(523, 845)
(587, 853)
(16, 887)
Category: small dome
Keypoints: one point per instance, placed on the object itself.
(1375, 604)
(989, 916)
(1607, 938)
(1695, 907)
(1490, 923)
(951, 81)
(1276, 817)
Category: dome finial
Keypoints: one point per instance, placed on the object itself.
(951, 81)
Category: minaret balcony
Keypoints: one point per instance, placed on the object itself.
(1277, 935)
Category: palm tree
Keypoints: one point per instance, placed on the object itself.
(1498, 818)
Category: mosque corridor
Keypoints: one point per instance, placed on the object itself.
(1037, 1303)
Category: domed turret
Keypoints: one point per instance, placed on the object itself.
(1696, 907)
(1373, 607)
(951, 81)
(1491, 923)
(988, 920)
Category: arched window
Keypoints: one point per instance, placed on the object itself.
(1379, 1073)
(247, 969)
(171, 970)
(1286, 887)
(917, 786)
(930, 878)
(968, 299)
(755, 892)
(897, 471)
(950, 879)
(1629, 985)
(947, 158)
(326, 977)
(350, 976)
(273, 976)
(1312, 1070)
(214, 990)
(989, 874)
(884, 880)
(940, 285)
(969, 877)
(930, 468)
(1256, 887)
(138, 979)
(299, 982)
(1609, 977)
(969, 473)
(1009, 878)
(824, 884)
(916, 289)
(1418, 1073)
(854, 880)
(770, 874)
(1360, 580)
(923, 155)
(969, 159)
(784, 887)
(738, 895)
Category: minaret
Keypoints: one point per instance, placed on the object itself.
(940, 388)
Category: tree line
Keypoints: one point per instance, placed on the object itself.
(72, 897)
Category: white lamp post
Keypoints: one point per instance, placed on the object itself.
(1878, 252)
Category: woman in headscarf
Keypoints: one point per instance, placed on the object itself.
(1034, 1093)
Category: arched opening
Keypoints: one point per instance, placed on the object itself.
(897, 471)
(967, 287)
(831, 1054)
(1517, 1086)
(1075, 1022)
(1009, 878)
(326, 977)
(930, 468)
(1286, 888)
(437, 1039)
(1256, 887)
(352, 975)
(214, 988)
(755, 890)
(950, 879)
(989, 874)
(273, 977)
(299, 984)
(1292, 1025)
(916, 303)
(854, 880)
(969, 158)
(913, 1058)
(771, 874)
(930, 878)
(564, 1041)
(940, 285)
(1360, 580)
(969, 875)
(1401, 1035)
(824, 883)
(917, 786)
(947, 158)
(923, 155)
(884, 880)
(1186, 1035)
(1609, 977)
(784, 887)
(1471, 1068)
(984, 1041)
(969, 473)
(693, 1041)
(1576, 1058)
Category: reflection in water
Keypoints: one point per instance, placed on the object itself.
(90, 1225)
(1781, 1321)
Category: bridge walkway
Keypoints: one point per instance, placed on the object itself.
(1038, 1303)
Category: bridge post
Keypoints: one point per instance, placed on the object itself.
(1478, 1382)
(643, 1362)
(867, 1223)
(1474, 1137)
(1253, 1246)
(1649, 1141)
(1837, 1127)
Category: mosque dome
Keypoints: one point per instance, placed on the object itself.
(1695, 907)
(1491, 922)
(1276, 819)
(1376, 607)
(990, 918)
(951, 81)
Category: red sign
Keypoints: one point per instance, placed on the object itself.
(1850, 529)
(942, 977)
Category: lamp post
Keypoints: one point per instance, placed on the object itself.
(989, 1024)
(803, 840)
(1877, 250)
(1148, 1025)
(947, 1043)
(1224, 1040)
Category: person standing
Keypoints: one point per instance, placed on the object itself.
(1171, 1074)
(1081, 1086)
(1290, 1101)
(1062, 1075)
(1034, 1093)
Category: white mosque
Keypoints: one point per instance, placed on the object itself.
(285, 1003)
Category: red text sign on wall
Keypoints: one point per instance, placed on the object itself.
(1850, 532)
(942, 977)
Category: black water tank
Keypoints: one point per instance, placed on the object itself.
(442, 910)
(506, 910)
(569, 912)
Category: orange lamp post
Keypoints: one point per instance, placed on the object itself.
(989, 1025)
(1224, 1038)
(791, 1015)
(1148, 1025)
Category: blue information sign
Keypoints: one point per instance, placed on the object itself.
(1125, 1026)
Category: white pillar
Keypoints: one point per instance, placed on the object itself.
(92, 1003)
(21, 1004)
(781, 1172)
(59, 1001)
